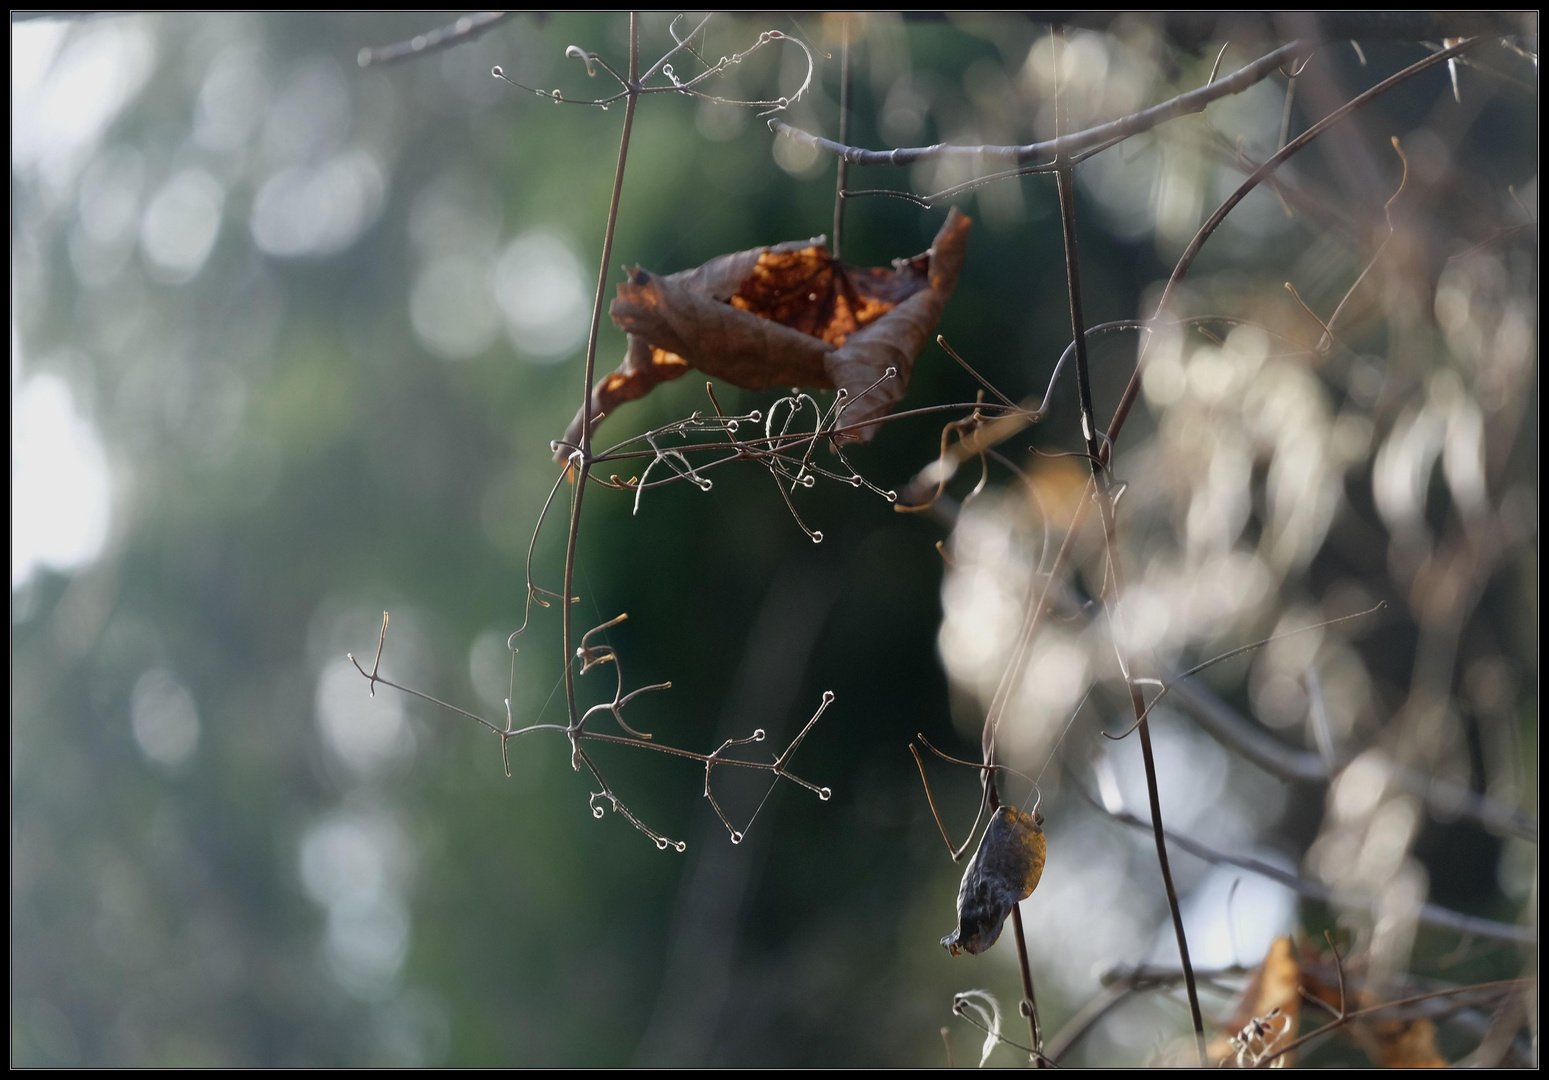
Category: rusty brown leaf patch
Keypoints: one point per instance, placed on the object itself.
(785, 316)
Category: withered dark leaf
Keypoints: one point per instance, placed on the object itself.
(1004, 872)
(788, 315)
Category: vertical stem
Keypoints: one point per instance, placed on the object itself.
(1100, 477)
(583, 470)
(844, 137)
(1285, 114)
(1029, 1003)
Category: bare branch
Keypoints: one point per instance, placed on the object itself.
(1186, 261)
(464, 29)
(592, 656)
(1430, 914)
(1184, 104)
(1501, 984)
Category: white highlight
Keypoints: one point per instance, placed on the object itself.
(368, 734)
(60, 496)
(314, 210)
(540, 287)
(164, 718)
(181, 224)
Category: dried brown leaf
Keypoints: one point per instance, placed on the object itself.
(1003, 872)
(1267, 1015)
(1403, 1044)
(782, 316)
(1391, 1043)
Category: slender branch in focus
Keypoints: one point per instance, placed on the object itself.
(1102, 487)
(1029, 1002)
(581, 460)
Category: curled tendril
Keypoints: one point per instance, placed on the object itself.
(675, 83)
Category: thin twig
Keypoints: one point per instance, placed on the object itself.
(1101, 481)
(1359, 1014)
(1184, 104)
(1429, 914)
(634, 85)
(1029, 1002)
(1197, 668)
(577, 732)
(844, 129)
(956, 851)
(1186, 260)
(582, 457)
(1387, 213)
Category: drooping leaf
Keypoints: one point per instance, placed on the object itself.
(782, 316)
(1003, 872)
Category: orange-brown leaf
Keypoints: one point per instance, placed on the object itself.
(1403, 1044)
(1391, 1042)
(788, 315)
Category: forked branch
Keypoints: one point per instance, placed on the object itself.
(591, 656)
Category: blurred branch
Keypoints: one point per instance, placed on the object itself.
(1228, 726)
(1119, 984)
(1392, 25)
(1497, 1046)
(58, 16)
(1358, 1014)
(464, 29)
(1183, 105)
(1430, 914)
(1186, 261)
(1193, 29)
(1237, 732)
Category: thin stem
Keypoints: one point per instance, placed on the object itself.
(1358, 1014)
(1186, 261)
(581, 460)
(844, 136)
(1029, 1002)
(1100, 479)
(1197, 668)
(1192, 101)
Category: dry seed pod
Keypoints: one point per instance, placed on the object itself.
(1004, 872)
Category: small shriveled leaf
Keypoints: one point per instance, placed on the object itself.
(1004, 872)
(782, 316)
(1266, 1018)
